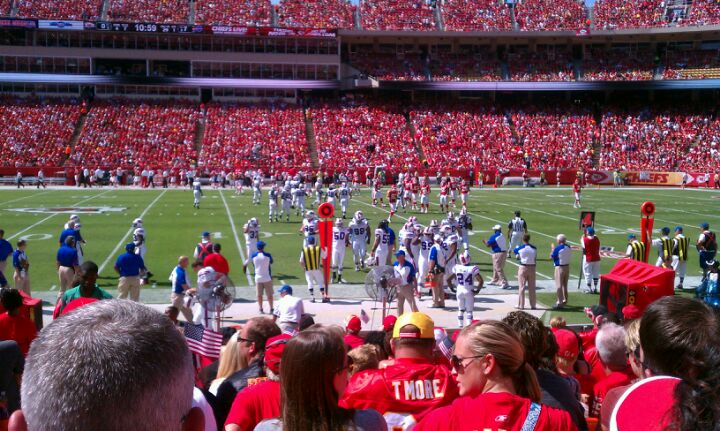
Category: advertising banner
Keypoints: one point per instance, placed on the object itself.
(59, 24)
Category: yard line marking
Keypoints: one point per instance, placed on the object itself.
(471, 246)
(235, 234)
(122, 240)
(26, 197)
(53, 215)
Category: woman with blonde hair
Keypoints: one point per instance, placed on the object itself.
(496, 385)
(229, 363)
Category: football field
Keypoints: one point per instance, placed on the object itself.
(173, 227)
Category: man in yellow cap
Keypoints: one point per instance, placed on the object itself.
(413, 384)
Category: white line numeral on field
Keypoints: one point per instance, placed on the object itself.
(217, 235)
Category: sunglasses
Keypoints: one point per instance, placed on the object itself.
(458, 362)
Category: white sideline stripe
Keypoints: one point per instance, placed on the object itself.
(235, 234)
(53, 215)
(122, 240)
(26, 197)
(471, 246)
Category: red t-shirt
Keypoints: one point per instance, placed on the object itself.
(255, 404)
(354, 341)
(408, 387)
(493, 412)
(613, 380)
(592, 248)
(217, 262)
(18, 328)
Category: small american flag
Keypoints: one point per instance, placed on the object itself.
(203, 341)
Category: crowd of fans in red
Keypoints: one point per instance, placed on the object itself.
(476, 15)
(124, 133)
(401, 66)
(316, 14)
(547, 63)
(703, 12)
(618, 65)
(251, 136)
(397, 15)
(618, 14)
(550, 15)
(160, 11)
(34, 132)
(357, 132)
(66, 9)
(465, 65)
(690, 64)
(233, 12)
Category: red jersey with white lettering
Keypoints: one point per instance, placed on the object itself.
(392, 195)
(415, 187)
(410, 388)
(591, 244)
(444, 189)
(465, 189)
(377, 186)
(493, 412)
(576, 188)
(425, 189)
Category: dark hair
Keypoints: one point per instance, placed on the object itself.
(680, 337)
(306, 321)
(261, 329)
(378, 339)
(216, 247)
(87, 268)
(2, 232)
(21, 243)
(532, 335)
(526, 237)
(11, 299)
(547, 361)
(308, 397)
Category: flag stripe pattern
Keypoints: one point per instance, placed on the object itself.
(203, 341)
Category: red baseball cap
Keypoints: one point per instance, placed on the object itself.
(389, 322)
(274, 348)
(646, 405)
(567, 343)
(353, 323)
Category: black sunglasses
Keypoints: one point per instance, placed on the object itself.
(457, 361)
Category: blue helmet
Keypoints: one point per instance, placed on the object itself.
(590, 230)
(665, 230)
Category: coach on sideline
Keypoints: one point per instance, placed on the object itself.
(127, 368)
(130, 266)
(67, 264)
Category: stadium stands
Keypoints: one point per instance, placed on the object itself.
(547, 63)
(619, 14)
(414, 15)
(233, 12)
(554, 135)
(478, 64)
(34, 132)
(316, 14)
(159, 11)
(64, 9)
(271, 137)
(406, 66)
(549, 15)
(462, 135)
(703, 12)
(358, 133)
(476, 15)
(624, 64)
(127, 133)
(691, 64)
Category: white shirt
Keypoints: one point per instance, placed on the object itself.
(200, 401)
(289, 309)
(358, 230)
(402, 272)
(383, 240)
(527, 254)
(252, 234)
(340, 237)
(310, 227)
(261, 262)
(465, 275)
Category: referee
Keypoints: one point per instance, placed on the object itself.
(67, 265)
(310, 257)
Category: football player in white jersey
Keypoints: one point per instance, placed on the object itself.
(318, 191)
(464, 228)
(332, 195)
(273, 204)
(381, 246)
(517, 228)
(252, 234)
(426, 243)
(345, 194)
(451, 221)
(257, 191)
(309, 227)
(450, 248)
(197, 192)
(465, 276)
(286, 198)
(360, 238)
(341, 239)
(299, 195)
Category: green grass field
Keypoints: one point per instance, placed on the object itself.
(173, 227)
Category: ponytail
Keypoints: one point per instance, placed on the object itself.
(526, 382)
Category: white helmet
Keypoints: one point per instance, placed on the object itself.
(428, 231)
(359, 215)
(139, 231)
(434, 223)
(450, 215)
(75, 217)
(463, 211)
(77, 226)
(137, 222)
(465, 257)
(446, 229)
(338, 222)
(253, 221)
(310, 215)
(412, 220)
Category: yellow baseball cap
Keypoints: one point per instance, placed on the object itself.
(420, 320)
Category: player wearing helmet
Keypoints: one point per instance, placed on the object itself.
(273, 204)
(197, 192)
(466, 275)
(383, 244)
(345, 194)
(464, 228)
(392, 196)
(251, 229)
(444, 192)
(309, 226)
(360, 238)
(425, 196)
(286, 197)
(464, 193)
(341, 239)
(426, 242)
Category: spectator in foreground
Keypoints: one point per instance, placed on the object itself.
(228, 364)
(14, 326)
(124, 357)
(310, 394)
(251, 347)
(11, 369)
(496, 384)
(353, 326)
(610, 344)
(365, 357)
(413, 346)
(260, 401)
(554, 390)
(85, 286)
(680, 337)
